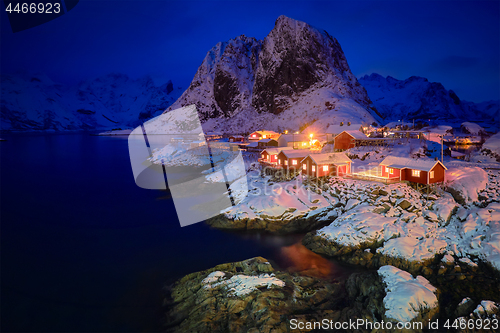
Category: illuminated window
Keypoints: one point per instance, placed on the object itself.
(313, 168)
(254, 136)
(391, 171)
(386, 170)
(279, 161)
(268, 156)
(431, 174)
(262, 155)
(415, 173)
(303, 143)
(286, 162)
(304, 166)
(325, 167)
(294, 162)
(264, 136)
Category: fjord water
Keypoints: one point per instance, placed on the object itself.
(85, 249)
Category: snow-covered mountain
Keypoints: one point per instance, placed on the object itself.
(35, 102)
(417, 98)
(298, 75)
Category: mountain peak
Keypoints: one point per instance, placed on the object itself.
(295, 62)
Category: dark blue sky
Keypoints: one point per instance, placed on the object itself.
(456, 43)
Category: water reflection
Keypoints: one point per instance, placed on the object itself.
(300, 259)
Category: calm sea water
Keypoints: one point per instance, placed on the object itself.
(83, 249)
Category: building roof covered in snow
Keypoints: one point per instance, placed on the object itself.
(266, 140)
(295, 153)
(410, 163)
(264, 132)
(275, 150)
(330, 158)
(355, 134)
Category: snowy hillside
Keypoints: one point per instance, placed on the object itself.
(35, 102)
(296, 76)
(417, 98)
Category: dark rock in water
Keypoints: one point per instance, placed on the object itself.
(212, 301)
(271, 224)
(464, 308)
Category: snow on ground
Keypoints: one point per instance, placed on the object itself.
(351, 228)
(472, 128)
(468, 182)
(493, 143)
(485, 309)
(282, 201)
(406, 295)
(404, 222)
(490, 151)
(240, 284)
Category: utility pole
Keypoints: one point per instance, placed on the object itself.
(442, 149)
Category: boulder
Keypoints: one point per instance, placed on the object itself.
(403, 203)
(247, 296)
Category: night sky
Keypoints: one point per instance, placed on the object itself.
(456, 43)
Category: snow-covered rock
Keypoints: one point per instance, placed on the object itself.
(406, 296)
(472, 128)
(465, 183)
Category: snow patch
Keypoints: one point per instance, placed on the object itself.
(406, 295)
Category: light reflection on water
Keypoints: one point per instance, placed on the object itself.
(302, 260)
(290, 255)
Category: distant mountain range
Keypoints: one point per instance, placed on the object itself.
(296, 77)
(35, 102)
(417, 98)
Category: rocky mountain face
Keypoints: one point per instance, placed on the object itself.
(35, 102)
(417, 98)
(294, 77)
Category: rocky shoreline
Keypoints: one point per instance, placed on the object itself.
(424, 240)
(196, 305)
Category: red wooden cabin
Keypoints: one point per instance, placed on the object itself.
(347, 139)
(290, 159)
(270, 155)
(236, 138)
(258, 135)
(321, 165)
(421, 171)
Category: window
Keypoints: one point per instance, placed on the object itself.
(262, 155)
(303, 143)
(286, 162)
(254, 136)
(325, 167)
(431, 174)
(268, 156)
(304, 166)
(313, 168)
(294, 162)
(391, 171)
(386, 170)
(279, 161)
(264, 136)
(415, 173)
